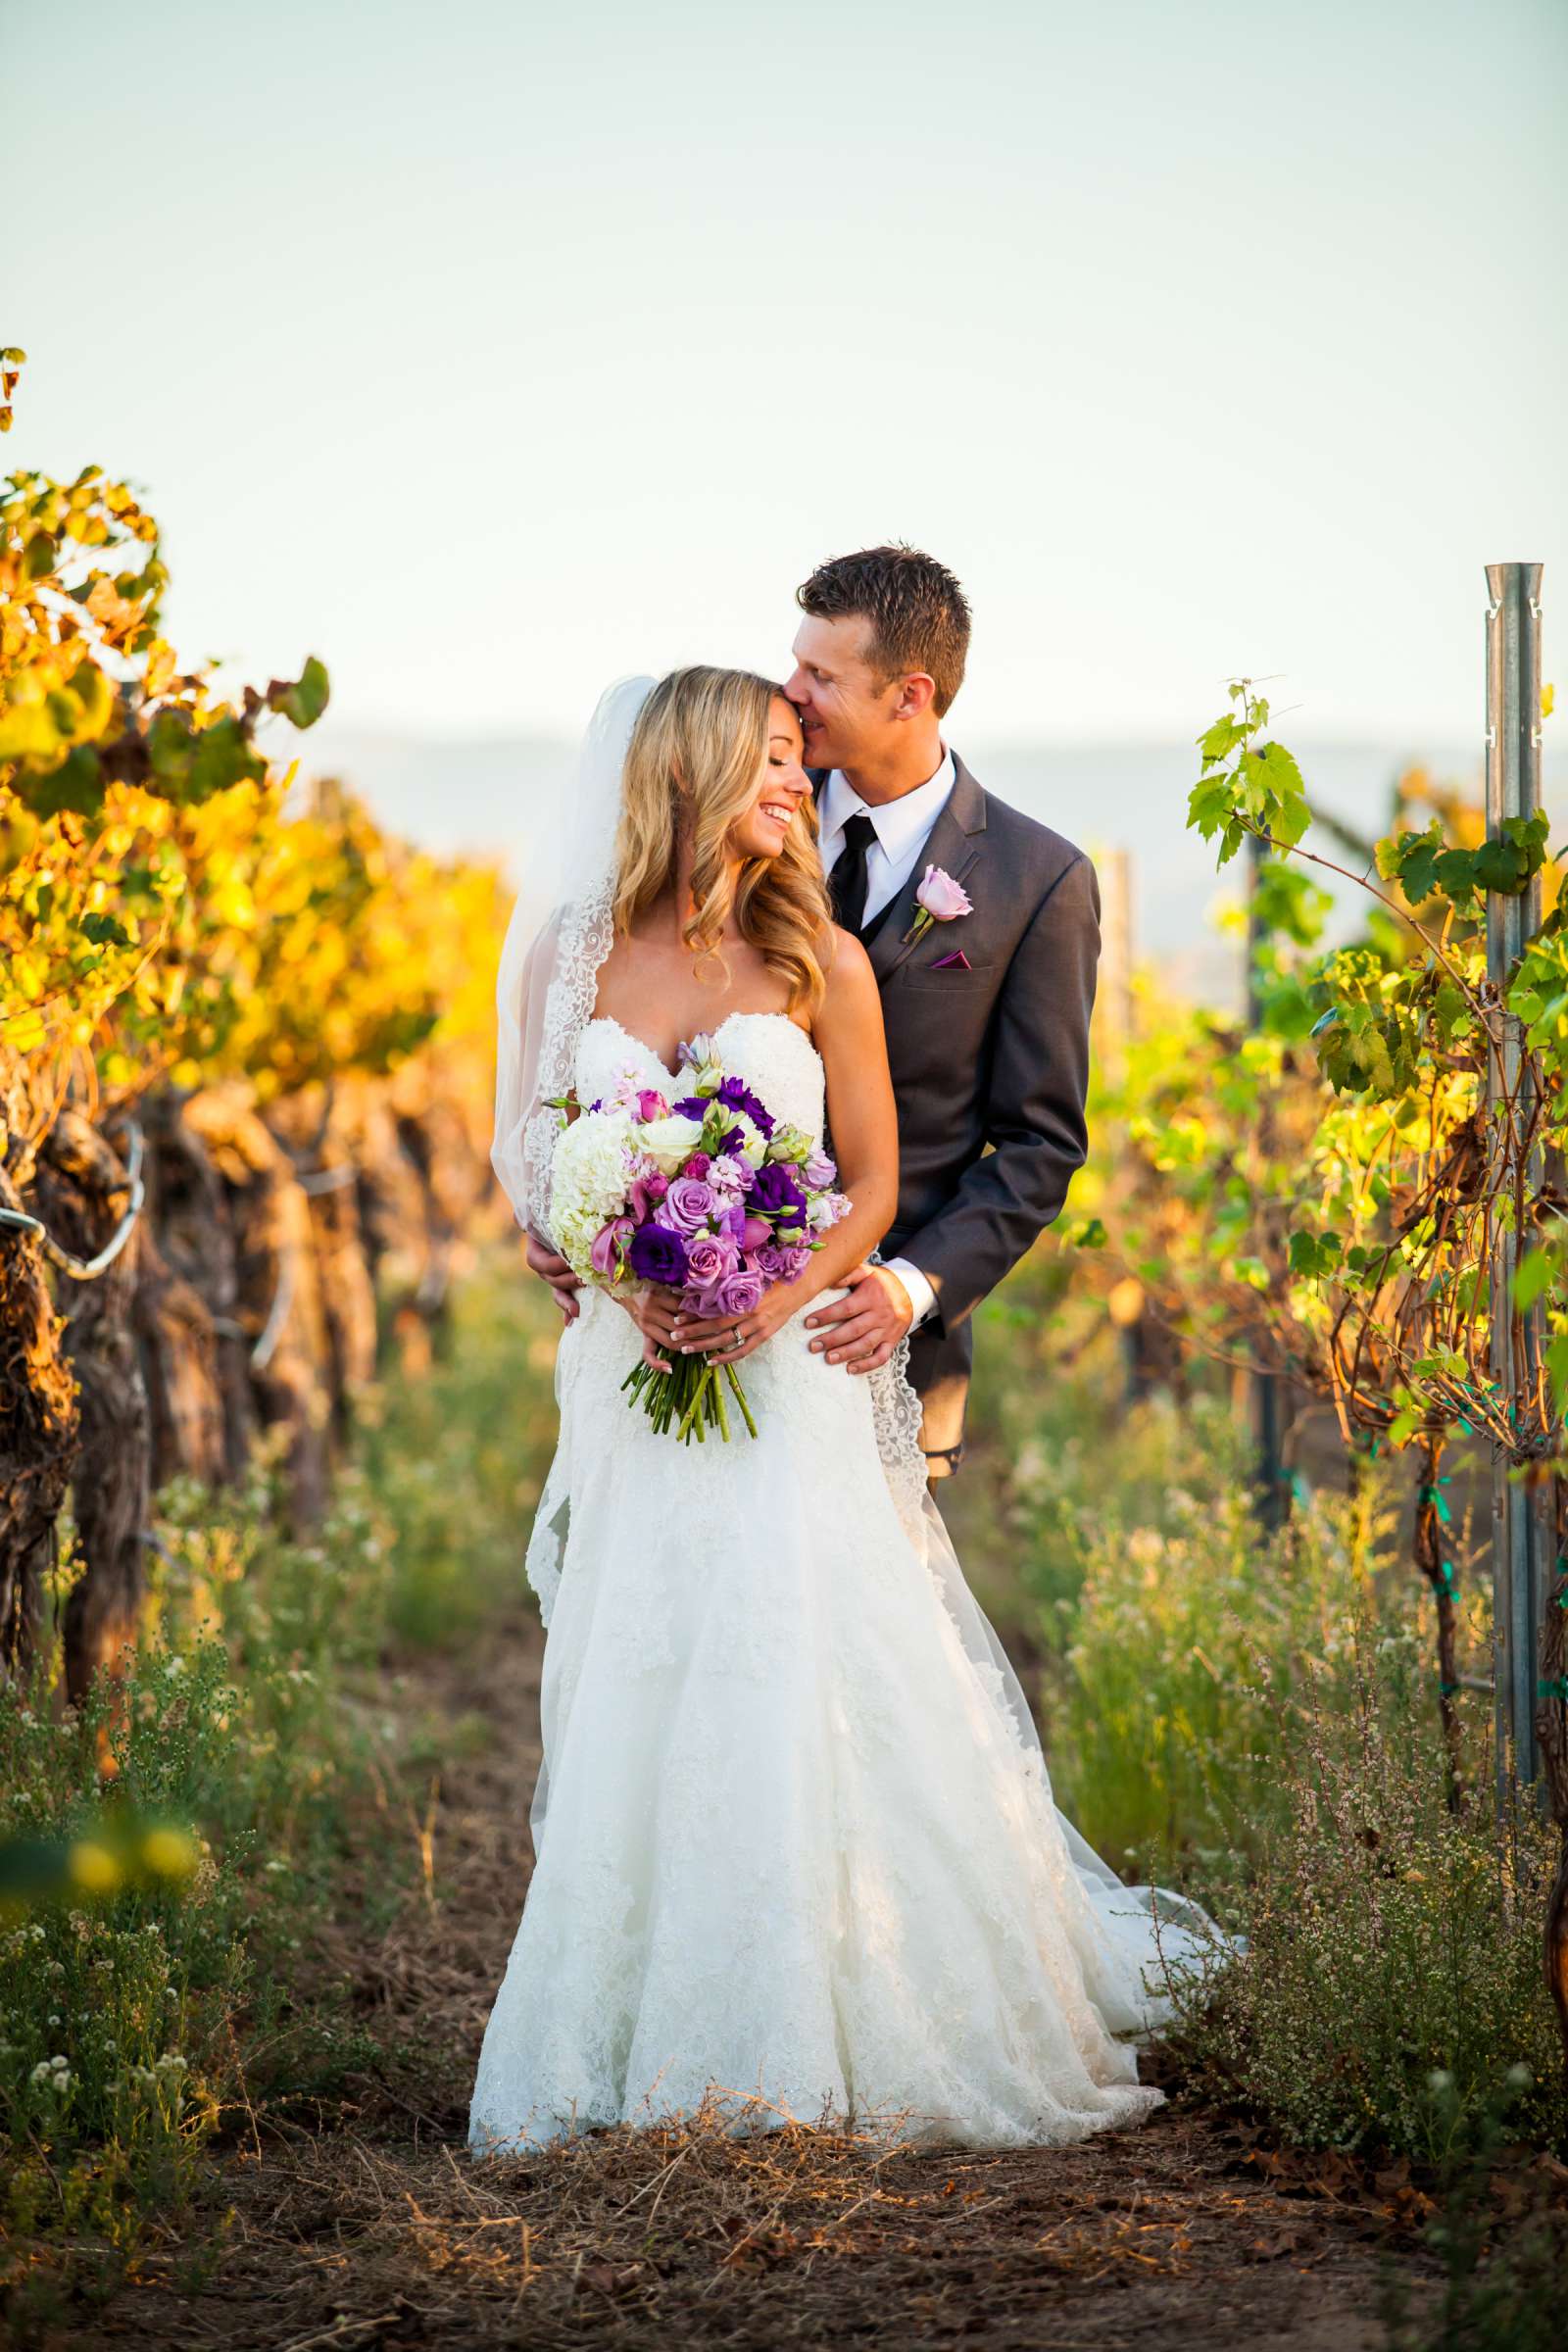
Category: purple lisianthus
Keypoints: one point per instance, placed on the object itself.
(658, 1256)
(692, 1106)
(733, 1145)
(709, 1259)
(738, 1096)
(732, 1220)
(819, 1172)
(776, 1194)
(689, 1203)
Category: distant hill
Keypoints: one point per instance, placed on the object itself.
(498, 796)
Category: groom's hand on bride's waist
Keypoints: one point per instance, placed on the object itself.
(861, 1329)
(554, 1269)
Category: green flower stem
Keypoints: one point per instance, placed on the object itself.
(741, 1398)
(697, 1395)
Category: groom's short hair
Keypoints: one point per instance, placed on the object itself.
(920, 615)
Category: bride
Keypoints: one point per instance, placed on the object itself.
(796, 1851)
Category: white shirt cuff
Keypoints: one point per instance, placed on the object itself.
(922, 1298)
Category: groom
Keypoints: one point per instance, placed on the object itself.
(987, 1010)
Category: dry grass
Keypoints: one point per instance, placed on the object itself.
(368, 2226)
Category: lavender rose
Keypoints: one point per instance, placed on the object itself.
(819, 1172)
(709, 1259)
(689, 1203)
(658, 1256)
(941, 897)
(737, 1293)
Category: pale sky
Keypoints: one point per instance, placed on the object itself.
(490, 350)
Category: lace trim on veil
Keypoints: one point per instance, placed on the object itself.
(584, 937)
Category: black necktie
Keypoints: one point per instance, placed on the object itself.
(846, 882)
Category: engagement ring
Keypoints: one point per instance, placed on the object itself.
(735, 1337)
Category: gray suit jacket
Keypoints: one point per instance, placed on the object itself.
(990, 1069)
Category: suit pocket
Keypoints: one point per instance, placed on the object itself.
(957, 980)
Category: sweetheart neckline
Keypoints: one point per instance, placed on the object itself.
(608, 1020)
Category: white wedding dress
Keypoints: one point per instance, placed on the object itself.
(801, 1849)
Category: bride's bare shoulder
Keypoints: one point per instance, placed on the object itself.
(852, 992)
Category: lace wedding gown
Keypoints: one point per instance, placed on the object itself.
(800, 1849)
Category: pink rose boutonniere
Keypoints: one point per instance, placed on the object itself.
(940, 900)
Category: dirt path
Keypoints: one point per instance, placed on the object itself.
(374, 2231)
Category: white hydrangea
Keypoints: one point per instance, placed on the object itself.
(588, 1183)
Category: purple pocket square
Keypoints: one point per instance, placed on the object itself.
(957, 961)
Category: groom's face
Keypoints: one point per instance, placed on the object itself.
(845, 709)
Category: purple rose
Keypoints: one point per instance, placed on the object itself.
(732, 1220)
(605, 1256)
(658, 1256)
(698, 1165)
(737, 1293)
(739, 1096)
(775, 1263)
(819, 1172)
(689, 1203)
(709, 1259)
(776, 1194)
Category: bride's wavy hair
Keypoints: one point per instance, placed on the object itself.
(696, 754)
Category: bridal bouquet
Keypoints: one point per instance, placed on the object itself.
(708, 1195)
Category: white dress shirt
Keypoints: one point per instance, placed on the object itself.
(903, 827)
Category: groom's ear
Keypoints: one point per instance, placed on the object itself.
(916, 694)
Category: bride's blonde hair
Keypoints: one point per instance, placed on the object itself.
(692, 767)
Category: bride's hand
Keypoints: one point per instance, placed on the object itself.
(654, 1313)
(736, 1337)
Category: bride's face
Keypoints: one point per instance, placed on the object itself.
(760, 829)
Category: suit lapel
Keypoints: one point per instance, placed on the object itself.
(954, 843)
